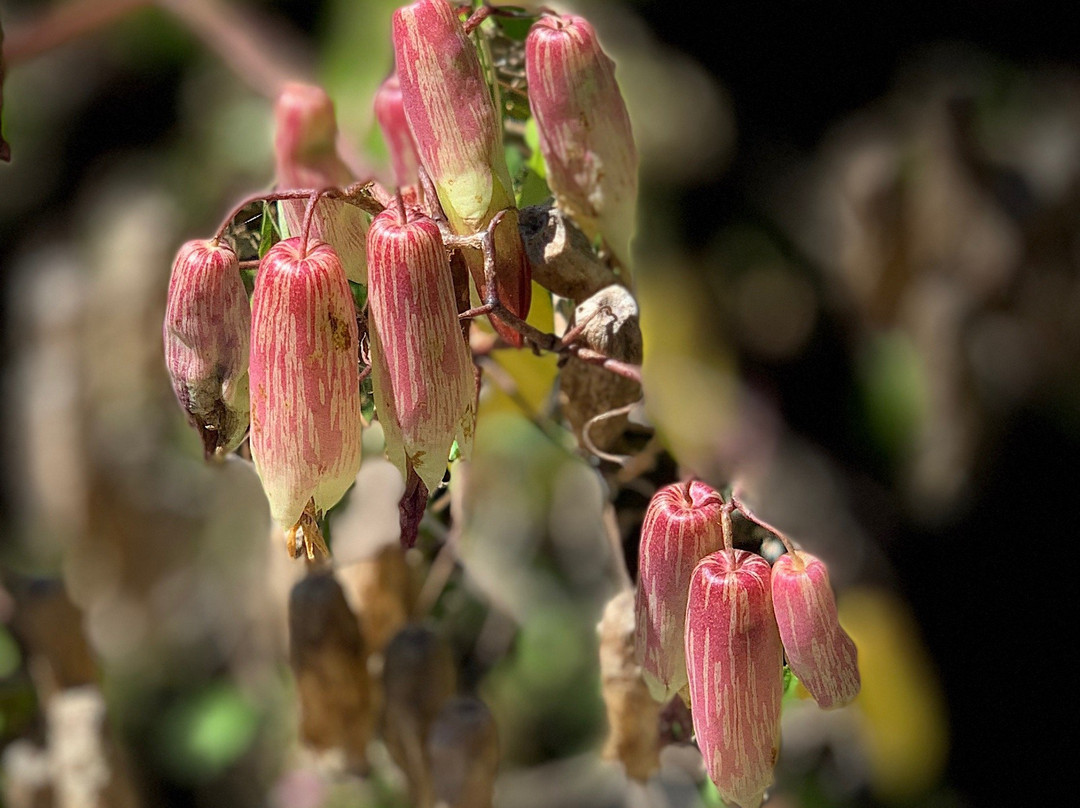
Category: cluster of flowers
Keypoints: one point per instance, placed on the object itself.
(285, 369)
(722, 621)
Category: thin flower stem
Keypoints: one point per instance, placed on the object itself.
(728, 531)
(309, 216)
(359, 194)
(586, 434)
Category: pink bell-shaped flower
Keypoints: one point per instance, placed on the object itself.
(305, 386)
(736, 665)
(305, 152)
(819, 652)
(458, 134)
(681, 527)
(585, 133)
(422, 374)
(206, 333)
(390, 113)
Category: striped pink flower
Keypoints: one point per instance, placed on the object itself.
(585, 133)
(305, 151)
(390, 113)
(422, 373)
(458, 134)
(206, 333)
(819, 652)
(735, 663)
(305, 401)
(682, 526)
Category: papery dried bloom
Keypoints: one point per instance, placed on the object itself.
(305, 386)
(585, 133)
(207, 328)
(736, 673)
(681, 527)
(463, 748)
(306, 156)
(459, 137)
(819, 651)
(610, 325)
(329, 661)
(422, 374)
(390, 113)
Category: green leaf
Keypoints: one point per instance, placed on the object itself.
(536, 157)
(533, 190)
(269, 235)
(515, 28)
(367, 400)
(205, 733)
(359, 295)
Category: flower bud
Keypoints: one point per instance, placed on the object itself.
(585, 133)
(305, 400)
(736, 673)
(390, 113)
(459, 138)
(422, 373)
(207, 328)
(818, 650)
(682, 526)
(305, 151)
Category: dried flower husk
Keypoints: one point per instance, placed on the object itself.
(206, 333)
(585, 133)
(819, 651)
(463, 749)
(633, 715)
(329, 661)
(735, 664)
(611, 325)
(681, 527)
(306, 156)
(418, 679)
(560, 255)
(458, 135)
(305, 400)
(390, 113)
(422, 373)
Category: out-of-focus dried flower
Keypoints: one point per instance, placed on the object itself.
(463, 749)
(418, 678)
(681, 527)
(390, 113)
(611, 326)
(305, 402)
(585, 133)
(328, 658)
(422, 374)
(206, 333)
(633, 715)
(305, 151)
(735, 663)
(819, 651)
(458, 135)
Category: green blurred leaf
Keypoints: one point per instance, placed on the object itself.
(268, 230)
(515, 28)
(206, 732)
(10, 657)
(536, 157)
(894, 393)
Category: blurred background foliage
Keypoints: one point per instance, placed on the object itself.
(858, 260)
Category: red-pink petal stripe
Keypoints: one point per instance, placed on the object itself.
(305, 402)
(735, 663)
(390, 113)
(819, 651)
(675, 536)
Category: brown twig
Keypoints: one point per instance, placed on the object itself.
(359, 194)
(63, 24)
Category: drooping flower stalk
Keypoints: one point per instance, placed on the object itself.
(585, 133)
(390, 113)
(306, 156)
(305, 402)
(818, 649)
(459, 138)
(422, 373)
(206, 333)
(682, 526)
(735, 663)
